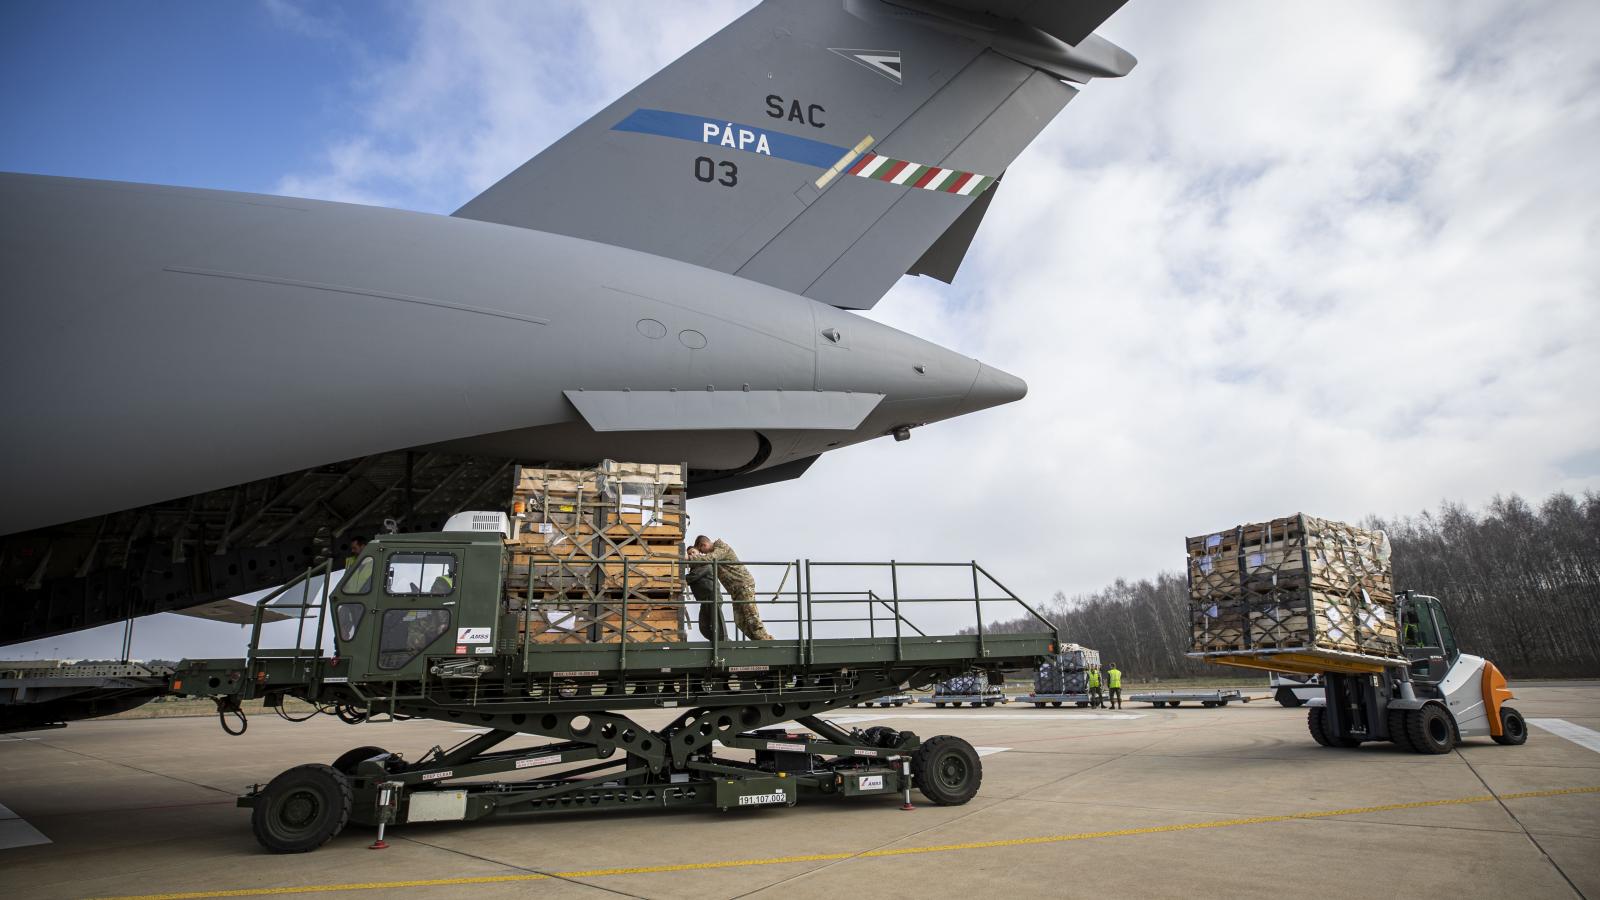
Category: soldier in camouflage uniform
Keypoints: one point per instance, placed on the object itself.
(739, 583)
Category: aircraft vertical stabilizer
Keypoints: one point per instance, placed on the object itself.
(821, 148)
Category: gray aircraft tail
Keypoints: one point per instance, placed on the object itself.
(825, 147)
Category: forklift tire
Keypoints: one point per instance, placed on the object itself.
(302, 809)
(1430, 730)
(348, 760)
(1513, 731)
(947, 770)
(1317, 724)
(1398, 731)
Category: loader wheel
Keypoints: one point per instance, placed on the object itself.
(302, 809)
(1513, 730)
(1398, 732)
(947, 770)
(348, 760)
(1431, 730)
(1317, 724)
(881, 736)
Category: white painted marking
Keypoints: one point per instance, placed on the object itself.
(990, 751)
(871, 168)
(904, 174)
(1583, 737)
(14, 832)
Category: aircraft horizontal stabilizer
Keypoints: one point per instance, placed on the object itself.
(723, 410)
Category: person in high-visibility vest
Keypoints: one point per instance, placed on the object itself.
(1114, 685)
(1094, 686)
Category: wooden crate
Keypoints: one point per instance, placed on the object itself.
(593, 542)
(1297, 581)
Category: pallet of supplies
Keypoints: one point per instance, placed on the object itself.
(1294, 582)
(596, 553)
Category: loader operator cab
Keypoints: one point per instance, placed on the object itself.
(408, 598)
(1426, 638)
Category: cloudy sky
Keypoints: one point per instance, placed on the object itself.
(1332, 258)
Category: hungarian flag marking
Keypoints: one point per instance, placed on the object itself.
(927, 178)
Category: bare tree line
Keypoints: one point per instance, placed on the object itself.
(1521, 587)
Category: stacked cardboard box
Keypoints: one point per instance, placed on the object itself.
(1067, 671)
(595, 556)
(1294, 582)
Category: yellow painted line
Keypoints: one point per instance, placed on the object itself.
(838, 167)
(835, 857)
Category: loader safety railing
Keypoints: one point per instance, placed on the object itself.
(802, 601)
(304, 609)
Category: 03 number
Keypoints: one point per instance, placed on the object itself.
(706, 169)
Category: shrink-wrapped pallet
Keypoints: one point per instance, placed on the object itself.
(1294, 582)
(1066, 672)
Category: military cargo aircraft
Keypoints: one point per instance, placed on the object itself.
(205, 389)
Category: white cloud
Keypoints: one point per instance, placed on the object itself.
(1333, 258)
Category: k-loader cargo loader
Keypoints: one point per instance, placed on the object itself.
(422, 627)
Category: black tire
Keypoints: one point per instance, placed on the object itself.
(881, 736)
(1038, 706)
(988, 703)
(1082, 704)
(1056, 703)
(1513, 731)
(302, 809)
(956, 703)
(938, 704)
(1398, 732)
(1431, 730)
(348, 760)
(1317, 724)
(1286, 697)
(1208, 703)
(947, 770)
(1172, 703)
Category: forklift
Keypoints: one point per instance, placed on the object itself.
(1427, 702)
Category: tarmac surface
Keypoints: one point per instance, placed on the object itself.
(1190, 802)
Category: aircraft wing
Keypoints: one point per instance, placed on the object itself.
(235, 612)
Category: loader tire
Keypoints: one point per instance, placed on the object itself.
(947, 770)
(348, 760)
(1431, 730)
(1513, 731)
(302, 809)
